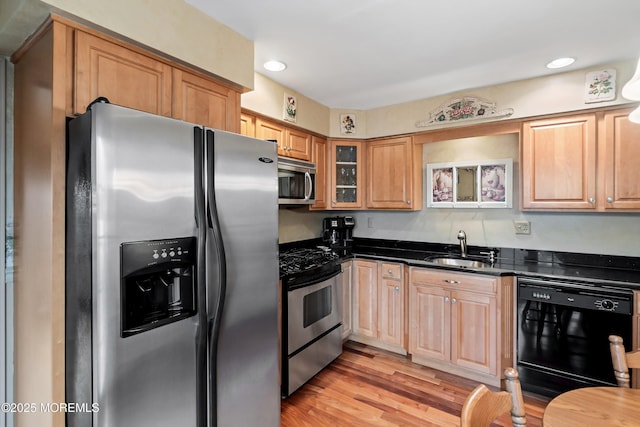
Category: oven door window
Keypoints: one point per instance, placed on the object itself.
(316, 306)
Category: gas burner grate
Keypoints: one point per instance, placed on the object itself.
(299, 260)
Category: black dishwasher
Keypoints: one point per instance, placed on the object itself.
(563, 333)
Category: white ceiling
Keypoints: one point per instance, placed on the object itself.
(362, 54)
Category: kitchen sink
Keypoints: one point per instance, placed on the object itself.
(459, 262)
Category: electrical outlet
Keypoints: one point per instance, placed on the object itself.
(522, 227)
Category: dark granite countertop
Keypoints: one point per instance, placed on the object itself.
(599, 269)
(609, 269)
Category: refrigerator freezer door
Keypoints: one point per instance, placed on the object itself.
(142, 188)
(246, 198)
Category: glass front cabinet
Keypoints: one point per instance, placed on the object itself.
(346, 174)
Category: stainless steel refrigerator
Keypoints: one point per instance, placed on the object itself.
(171, 274)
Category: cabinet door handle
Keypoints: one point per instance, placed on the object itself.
(409, 201)
(609, 199)
(451, 282)
(592, 200)
(389, 271)
(446, 299)
(397, 288)
(453, 300)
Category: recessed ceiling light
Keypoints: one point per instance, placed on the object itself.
(560, 62)
(275, 65)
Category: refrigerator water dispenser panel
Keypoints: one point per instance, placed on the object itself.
(158, 283)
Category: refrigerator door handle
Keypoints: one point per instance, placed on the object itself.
(218, 277)
(202, 328)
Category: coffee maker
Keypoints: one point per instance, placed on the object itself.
(337, 233)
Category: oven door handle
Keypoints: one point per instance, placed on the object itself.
(315, 280)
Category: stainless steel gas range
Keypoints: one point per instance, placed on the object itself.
(311, 314)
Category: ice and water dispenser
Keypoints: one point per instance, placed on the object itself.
(158, 283)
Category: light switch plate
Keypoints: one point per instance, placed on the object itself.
(522, 227)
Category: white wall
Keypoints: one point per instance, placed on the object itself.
(267, 98)
(171, 27)
(555, 93)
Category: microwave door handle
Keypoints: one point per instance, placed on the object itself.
(307, 179)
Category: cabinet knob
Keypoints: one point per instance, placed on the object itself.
(453, 300)
(389, 271)
(592, 200)
(609, 199)
(397, 288)
(409, 201)
(446, 299)
(451, 282)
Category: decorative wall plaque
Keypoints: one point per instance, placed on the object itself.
(463, 109)
(348, 124)
(290, 108)
(600, 86)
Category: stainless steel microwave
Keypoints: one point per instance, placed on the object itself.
(296, 182)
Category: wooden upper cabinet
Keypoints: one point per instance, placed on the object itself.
(587, 162)
(291, 142)
(559, 163)
(125, 77)
(346, 169)
(247, 125)
(271, 130)
(391, 175)
(622, 161)
(203, 101)
(319, 157)
(298, 144)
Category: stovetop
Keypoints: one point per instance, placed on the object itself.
(301, 260)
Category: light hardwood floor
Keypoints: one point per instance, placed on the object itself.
(366, 386)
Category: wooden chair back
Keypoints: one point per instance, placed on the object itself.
(622, 360)
(483, 406)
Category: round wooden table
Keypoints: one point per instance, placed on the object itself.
(594, 406)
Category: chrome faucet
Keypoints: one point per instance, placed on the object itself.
(463, 243)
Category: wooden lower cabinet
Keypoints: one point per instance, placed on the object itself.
(347, 298)
(461, 323)
(378, 304)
